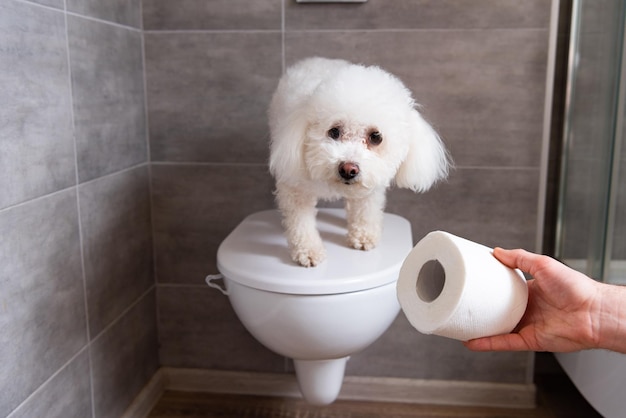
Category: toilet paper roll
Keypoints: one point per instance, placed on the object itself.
(456, 288)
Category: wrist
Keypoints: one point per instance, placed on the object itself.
(611, 318)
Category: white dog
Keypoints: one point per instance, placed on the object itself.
(340, 130)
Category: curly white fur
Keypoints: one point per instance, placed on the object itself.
(341, 130)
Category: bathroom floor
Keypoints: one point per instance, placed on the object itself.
(556, 397)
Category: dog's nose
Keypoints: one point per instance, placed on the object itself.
(348, 170)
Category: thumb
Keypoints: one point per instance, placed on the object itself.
(506, 257)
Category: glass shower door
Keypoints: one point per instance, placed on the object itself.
(591, 230)
(591, 226)
(615, 260)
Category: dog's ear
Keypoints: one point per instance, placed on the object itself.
(287, 140)
(427, 160)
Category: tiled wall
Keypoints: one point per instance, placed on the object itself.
(479, 69)
(77, 297)
(91, 212)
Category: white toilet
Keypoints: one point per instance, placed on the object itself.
(316, 316)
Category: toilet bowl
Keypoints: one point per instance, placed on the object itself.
(317, 316)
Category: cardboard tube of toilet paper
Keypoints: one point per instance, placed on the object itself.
(456, 288)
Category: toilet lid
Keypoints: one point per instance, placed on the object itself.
(255, 254)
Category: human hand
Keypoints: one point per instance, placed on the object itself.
(563, 313)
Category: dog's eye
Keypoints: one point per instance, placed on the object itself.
(334, 133)
(375, 138)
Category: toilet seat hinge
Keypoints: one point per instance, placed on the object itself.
(211, 278)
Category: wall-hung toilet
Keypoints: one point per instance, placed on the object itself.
(316, 316)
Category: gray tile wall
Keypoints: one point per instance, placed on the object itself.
(77, 296)
(84, 215)
(477, 67)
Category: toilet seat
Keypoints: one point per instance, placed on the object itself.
(255, 254)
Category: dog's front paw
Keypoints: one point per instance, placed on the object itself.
(362, 240)
(309, 256)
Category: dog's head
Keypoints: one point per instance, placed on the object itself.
(360, 131)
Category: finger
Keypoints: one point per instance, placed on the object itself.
(506, 342)
(526, 261)
(506, 257)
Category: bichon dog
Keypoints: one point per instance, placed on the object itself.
(341, 130)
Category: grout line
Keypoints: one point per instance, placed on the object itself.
(282, 36)
(464, 167)
(43, 6)
(130, 307)
(106, 22)
(208, 163)
(282, 29)
(76, 186)
(81, 242)
(148, 148)
(496, 167)
(407, 30)
(75, 14)
(157, 316)
(220, 164)
(34, 199)
(208, 31)
(114, 173)
(48, 380)
(337, 30)
(180, 285)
